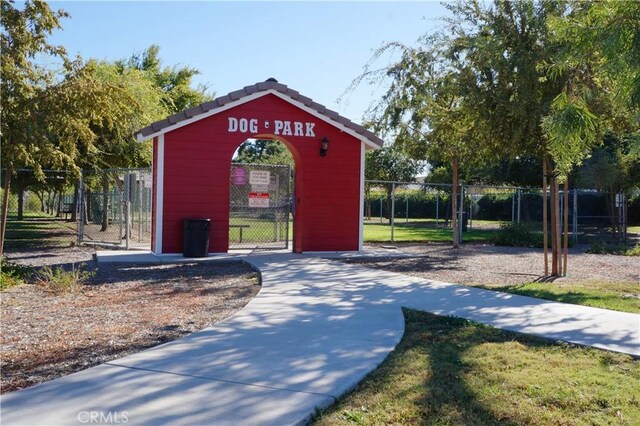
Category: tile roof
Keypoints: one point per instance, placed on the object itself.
(270, 84)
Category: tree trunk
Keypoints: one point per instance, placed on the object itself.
(554, 224)
(389, 195)
(47, 203)
(5, 207)
(454, 205)
(545, 220)
(40, 195)
(105, 202)
(566, 226)
(20, 202)
(59, 204)
(557, 260)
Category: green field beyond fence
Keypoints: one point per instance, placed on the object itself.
(424, 230)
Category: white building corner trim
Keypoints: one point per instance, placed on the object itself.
(361, 208)
(159, 194)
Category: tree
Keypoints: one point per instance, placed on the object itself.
(129, 101)
(389, 165)
(175, 82)
(25, 140)
(263, 151)
(428, 108)
(84, 115)
(600, 69)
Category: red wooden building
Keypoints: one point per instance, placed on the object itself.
(192, 153)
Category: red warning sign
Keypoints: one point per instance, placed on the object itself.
(259, 199)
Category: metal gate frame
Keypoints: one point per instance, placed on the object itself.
(259, 206)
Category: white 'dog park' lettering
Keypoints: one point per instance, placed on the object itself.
(280, 127)
(243, 125)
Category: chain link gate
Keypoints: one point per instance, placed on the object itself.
(259, 206)
(115, 208)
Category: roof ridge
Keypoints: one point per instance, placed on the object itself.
(270, 84)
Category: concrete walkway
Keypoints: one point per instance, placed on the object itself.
(314, 330)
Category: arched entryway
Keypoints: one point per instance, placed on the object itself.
(261, 196)
(191, 167)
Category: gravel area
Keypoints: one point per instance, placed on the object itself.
(121, 309)
(492, 265)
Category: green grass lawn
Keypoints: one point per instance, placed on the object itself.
(39, 231)
(618, 296)
(449, 371)
(258, 230)
(417, 232)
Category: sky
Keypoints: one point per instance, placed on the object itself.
(316, 48)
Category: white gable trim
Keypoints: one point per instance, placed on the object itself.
(251, 97)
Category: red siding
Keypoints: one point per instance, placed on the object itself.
(196, 178)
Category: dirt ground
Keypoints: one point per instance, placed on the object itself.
(491, 265)
(122, 309)
(126, 308)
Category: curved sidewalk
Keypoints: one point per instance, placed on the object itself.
(314, 330)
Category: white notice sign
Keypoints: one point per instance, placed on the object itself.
(259, 177)
(260, 188)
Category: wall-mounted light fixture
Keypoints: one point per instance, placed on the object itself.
(324, 147)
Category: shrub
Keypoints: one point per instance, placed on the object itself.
(517, 235)
(59, 281)
(12, 275)
(617, 249)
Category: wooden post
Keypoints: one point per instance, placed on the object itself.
(545, 230)
(554, 239)
(566, 225)
(454, 205)
(558, 226)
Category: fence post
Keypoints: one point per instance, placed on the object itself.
(624, 218)
(513, 207)
(139, 201)
(381, 210)
(471, 202)
(519, 195)
(127, 209)
(575, 216)
(406, 210)
(80, 208)
(393, 209)
(461, 210)
(276, 236)
(437, 207)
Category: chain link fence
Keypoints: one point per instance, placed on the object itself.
(112, 208)
(115, 208)
(414, 211)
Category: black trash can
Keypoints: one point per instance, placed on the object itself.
(465, 221)
(195, 239)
